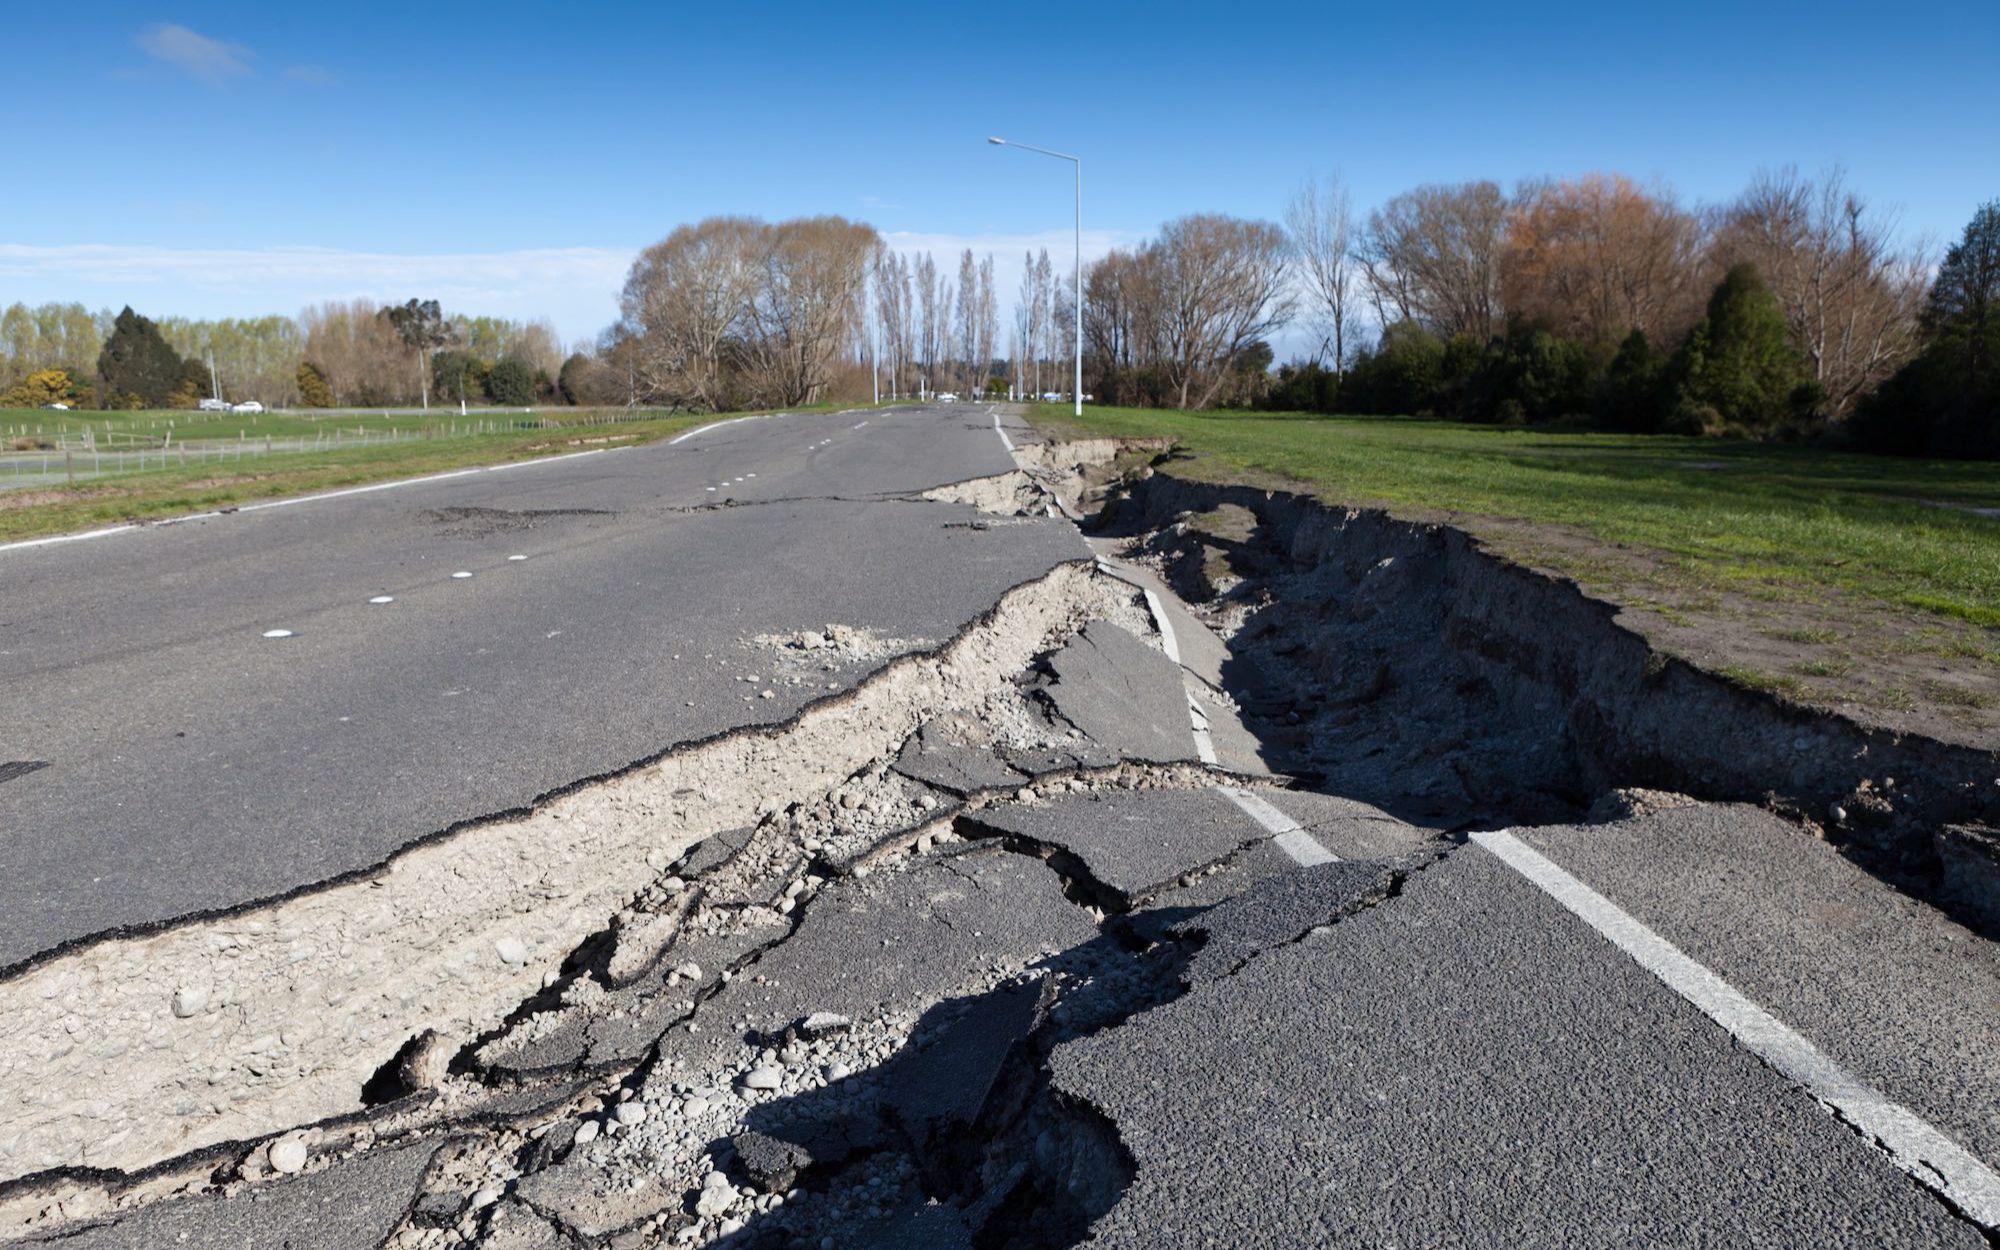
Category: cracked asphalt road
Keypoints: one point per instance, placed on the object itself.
(195, 764)
(1053, 992)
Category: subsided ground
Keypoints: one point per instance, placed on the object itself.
(175, 491)
(1864, 583)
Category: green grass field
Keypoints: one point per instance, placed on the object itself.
(173, 491)
(1762, 519)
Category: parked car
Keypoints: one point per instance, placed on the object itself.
(947, 397)
(248, 405)
(213, 405)
(56, 407)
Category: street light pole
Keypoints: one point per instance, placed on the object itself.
(1076, 274)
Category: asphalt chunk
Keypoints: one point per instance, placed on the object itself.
(352, 1205)
(895, 941)
(1122, 694)
(1130, 844)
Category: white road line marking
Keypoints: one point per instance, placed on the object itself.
(1204, 741)
(461, 574)
(1911, 1143)
(277, 633)
(66, 538)
(1290, 836)
(1005, 441)
(383, 599)
(513, 558)
(678, 439)
(859, 424)
(1160, 622)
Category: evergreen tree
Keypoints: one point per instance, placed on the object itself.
(1962, 315)
(569, 382)
(1738, 370)
(1629, 397)
(1947, 401)
(137, 363)
(314, 390)
(511, 382)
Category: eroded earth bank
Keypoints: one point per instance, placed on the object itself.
(1268, 875)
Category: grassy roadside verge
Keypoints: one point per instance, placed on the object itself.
(1830, 577)
(162, 493)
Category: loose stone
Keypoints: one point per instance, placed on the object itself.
(287, 1155)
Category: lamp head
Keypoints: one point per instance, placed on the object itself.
(996, 139)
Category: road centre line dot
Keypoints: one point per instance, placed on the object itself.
(1912, 1144)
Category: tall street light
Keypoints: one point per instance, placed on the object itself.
(1077, 275)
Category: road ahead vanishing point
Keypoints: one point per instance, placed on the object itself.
(801, 834)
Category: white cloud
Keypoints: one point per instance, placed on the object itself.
(210, 60)
(575, 287)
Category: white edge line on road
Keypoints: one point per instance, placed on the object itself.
(66, 538)
(685, 435)
(1005, 441)
(1204, 741)
(1167, 639)
(1911, 1143)
(1290, 836)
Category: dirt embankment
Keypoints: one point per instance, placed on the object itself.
(1412, 666)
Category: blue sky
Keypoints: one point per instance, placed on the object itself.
(215, 158)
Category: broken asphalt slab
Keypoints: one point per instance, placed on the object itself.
(1122, 694)
(892, 940)
(351, 1205)
(940, 755)
(1126, 845)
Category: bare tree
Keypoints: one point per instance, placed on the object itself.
(732, 309)
(802, 318)
(1221, 287)
(1028, 319)
(684, 299)
(965, 320)
(1597, 257)
(987, 311)
(1323, 244)
(1851, 297)
(934, 302)
(1433, 255)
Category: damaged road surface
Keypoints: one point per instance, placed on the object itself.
(989, 927)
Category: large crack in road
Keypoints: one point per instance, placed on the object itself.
(991, 951)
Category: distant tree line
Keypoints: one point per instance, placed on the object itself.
(1790, 312)
(342, 353)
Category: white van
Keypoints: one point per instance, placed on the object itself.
(248, 405)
